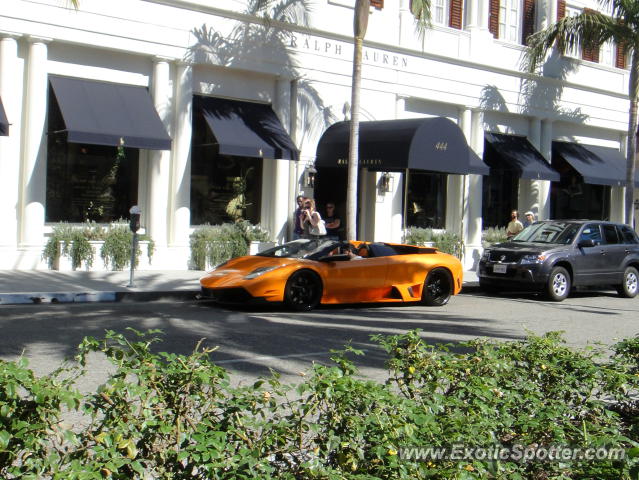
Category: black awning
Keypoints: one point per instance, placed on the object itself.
(597, 165)
(102, 113)
(246, 129)
(516, 153)
(4, 123)
(433, 144)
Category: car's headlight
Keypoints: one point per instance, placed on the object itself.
(486, 255)
(259, 271)
(528, 259)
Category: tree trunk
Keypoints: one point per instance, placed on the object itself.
(632, 138)
(360, 23)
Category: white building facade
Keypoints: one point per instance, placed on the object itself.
(202, 96)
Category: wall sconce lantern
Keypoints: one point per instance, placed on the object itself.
(386, 183)
(309, 176)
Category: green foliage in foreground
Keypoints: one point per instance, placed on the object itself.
(168, 416)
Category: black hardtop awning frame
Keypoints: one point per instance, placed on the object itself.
(519, 155)
(103, 113)
(246, 129)
(432, 144)
(4, 123)
(597, 165)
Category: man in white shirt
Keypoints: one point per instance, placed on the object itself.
(514, 226)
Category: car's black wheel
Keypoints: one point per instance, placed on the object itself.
(438, 288)
(303, 291)
(629, 287)
(488, 287)
(558, 286)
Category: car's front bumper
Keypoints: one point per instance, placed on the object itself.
(230, 296)
(516, 276)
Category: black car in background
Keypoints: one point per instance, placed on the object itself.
(552, 256)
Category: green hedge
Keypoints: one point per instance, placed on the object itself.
(167, 416)
(444, 241)
(214, 244)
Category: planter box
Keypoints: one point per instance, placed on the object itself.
(257, 247)
(63, 263)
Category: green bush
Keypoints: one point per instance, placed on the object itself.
(168, 416)
(493, 235)
(214, 244)
(444, 241)
(69, 241)
(74, 242)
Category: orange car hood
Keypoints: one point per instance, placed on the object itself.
(241, 266)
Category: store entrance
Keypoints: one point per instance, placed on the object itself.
(330, 186)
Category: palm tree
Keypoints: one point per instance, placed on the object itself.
(421, 11)
(589, 30)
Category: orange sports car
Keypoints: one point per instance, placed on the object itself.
(304, 273)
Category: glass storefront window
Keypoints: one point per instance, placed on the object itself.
(571, 198)
(500, 191)
(223, 188)
(426, 198)
(87, 182)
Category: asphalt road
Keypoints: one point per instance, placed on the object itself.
(251, 342)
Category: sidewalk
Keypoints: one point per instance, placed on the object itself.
(49, 286)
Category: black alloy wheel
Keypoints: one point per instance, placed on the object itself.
(303, 291)
(558, 286)
(629, 287)
(438, 288)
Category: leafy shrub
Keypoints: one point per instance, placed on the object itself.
(74, 242)
(444, 241)
(493, 235)
(214, 244)
(66, 240)
(118, 241)
(167, 416)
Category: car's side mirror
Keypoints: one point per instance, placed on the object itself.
(586, 243)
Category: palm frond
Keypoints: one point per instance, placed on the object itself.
(421, 10)
(590, 29)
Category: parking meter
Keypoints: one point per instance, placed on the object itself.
(134, 225)
(134, 222)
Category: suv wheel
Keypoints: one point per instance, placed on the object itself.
(629, 287)
(558, 286)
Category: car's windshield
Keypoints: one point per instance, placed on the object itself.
(302, 248)
(561, 233)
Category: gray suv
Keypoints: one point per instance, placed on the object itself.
(552, 256)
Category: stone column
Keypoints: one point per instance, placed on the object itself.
(545, 147)
(282, 200)
(455, 194)
(617, 194)
(33, 165)
(406, 24)
(529, 189)
(159, 164)
(473, 207)
(11, 94)
(180, 186)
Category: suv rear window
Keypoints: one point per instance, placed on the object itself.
(628, 234)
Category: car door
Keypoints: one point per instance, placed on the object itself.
(588, 262)
(356, 280)
(614, 254)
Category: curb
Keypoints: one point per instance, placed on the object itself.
(146, 296)
(90, 297)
